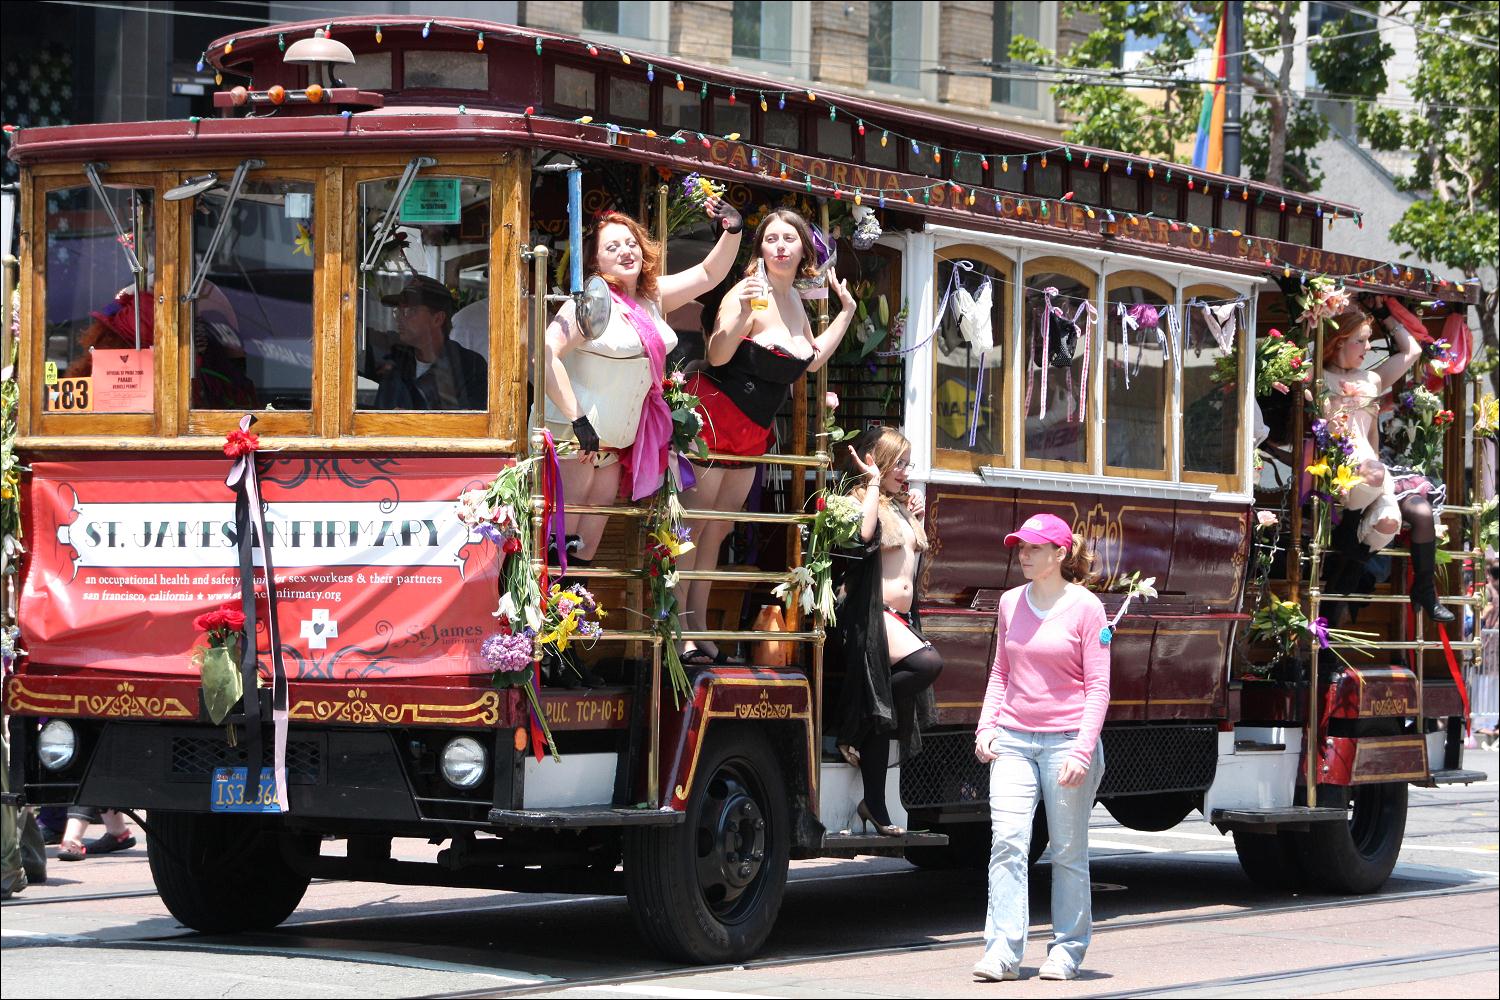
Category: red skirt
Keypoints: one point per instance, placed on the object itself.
(726, 429)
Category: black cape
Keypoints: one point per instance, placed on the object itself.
(866, 706)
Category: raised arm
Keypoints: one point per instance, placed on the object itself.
(1407, 353)
(685, 286)
(870, 509)
(829, 341)
(732, 325)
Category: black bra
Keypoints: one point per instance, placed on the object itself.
(758, 379)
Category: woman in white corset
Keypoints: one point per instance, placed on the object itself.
(606, 394)
(1384, 497)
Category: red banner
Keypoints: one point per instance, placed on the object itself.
(375, 575)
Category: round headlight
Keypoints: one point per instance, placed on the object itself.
(463, 762)
(56, 745)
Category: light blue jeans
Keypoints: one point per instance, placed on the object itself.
(1028, 764)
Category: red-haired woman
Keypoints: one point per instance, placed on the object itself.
(1384, 497)
(618, 376)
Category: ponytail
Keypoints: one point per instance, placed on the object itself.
(1077, 566)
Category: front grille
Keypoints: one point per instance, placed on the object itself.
(197, 756)
(1139, 760)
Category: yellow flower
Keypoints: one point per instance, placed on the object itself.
(663, 535)
(1320, 470)
(1344, 478)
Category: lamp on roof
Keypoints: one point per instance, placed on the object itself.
(319, 50)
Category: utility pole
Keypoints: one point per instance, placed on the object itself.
(1234, 44)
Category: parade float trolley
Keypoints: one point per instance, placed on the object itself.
(248, 263)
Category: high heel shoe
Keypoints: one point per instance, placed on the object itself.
(891, 830)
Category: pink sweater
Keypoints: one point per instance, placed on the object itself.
(1049, 676)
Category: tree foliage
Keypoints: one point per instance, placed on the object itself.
(1280, 128)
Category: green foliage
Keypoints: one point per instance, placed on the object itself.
(1456, 133)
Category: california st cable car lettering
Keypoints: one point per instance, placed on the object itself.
(385, 599)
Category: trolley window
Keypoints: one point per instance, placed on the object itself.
(1212, 386)
(251, 324)
(99, 321)
(1056, 380)
(1137, 375)
(970, 390)
(422, 340)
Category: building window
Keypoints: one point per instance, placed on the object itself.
(630, 19)
(1013, 20)
(889, 62)
(763, 31)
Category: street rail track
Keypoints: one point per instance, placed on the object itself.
(1226, 987)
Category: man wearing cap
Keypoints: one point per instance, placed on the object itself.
(427, 369)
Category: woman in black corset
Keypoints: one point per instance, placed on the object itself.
(762, 343)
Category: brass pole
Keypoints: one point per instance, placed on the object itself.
(11, 278)
(821, 449)
(653, 716)
(1310, 774)
(536, 425)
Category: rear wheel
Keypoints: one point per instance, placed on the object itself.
(708, 890)
(1359, 855)
(968, 847)
(222, 874)
(1269, 860)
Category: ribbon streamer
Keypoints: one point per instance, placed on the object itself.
(942, 309)
(1085, 335)
(555, 528)
(247, 506)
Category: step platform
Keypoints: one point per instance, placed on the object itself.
(1456, 776)
(582, 817)
(1272, 820)
(850, 845)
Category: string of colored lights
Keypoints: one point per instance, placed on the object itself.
(764, 97)
(994, 200)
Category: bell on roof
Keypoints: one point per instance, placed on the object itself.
(317, 49)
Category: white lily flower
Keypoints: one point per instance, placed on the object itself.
(1144, 588)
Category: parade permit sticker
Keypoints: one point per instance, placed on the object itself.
(123, 381)
(432, 200)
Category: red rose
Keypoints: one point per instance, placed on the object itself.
(240, 443)
(231, 616)
(1274, 335)
(512, 544)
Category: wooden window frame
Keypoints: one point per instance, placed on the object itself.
(218, 423)
(32, 357)
(971, 461)
(1092, 443)
(1244, 339)
(501, 425)
(1113, 282)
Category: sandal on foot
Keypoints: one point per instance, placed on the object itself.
(71, 850)
(723, 659)
(698, 658)
(109, 844)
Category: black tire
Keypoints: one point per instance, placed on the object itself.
(222, 874)
(1270, 860)
(1355, 857)
(1151, 813)
(708, 891)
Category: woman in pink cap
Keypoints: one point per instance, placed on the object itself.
(1039, 730)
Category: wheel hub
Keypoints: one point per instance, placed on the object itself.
(732, 842)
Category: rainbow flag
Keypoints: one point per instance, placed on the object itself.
(1208, 152)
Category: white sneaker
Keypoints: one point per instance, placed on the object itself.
(1057, 970)
(993, 972)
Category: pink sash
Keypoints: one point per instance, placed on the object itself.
(647, 457)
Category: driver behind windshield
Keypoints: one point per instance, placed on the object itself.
(426, 369)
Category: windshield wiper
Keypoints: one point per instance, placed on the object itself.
(232, 195)
(382, 232)
(124, 239)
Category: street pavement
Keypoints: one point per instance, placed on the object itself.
(1174, 916)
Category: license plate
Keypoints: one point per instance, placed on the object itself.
(229, 794)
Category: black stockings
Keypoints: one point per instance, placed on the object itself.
(1417, 513)
(910, 676)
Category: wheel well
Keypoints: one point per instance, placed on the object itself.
(789, 741)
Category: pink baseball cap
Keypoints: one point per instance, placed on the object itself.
(1041, 529)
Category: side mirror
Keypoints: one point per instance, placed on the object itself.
(594, 307)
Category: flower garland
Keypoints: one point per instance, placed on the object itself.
(670, 540)
(1284, 624)
(493, 513)
(835, 526)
